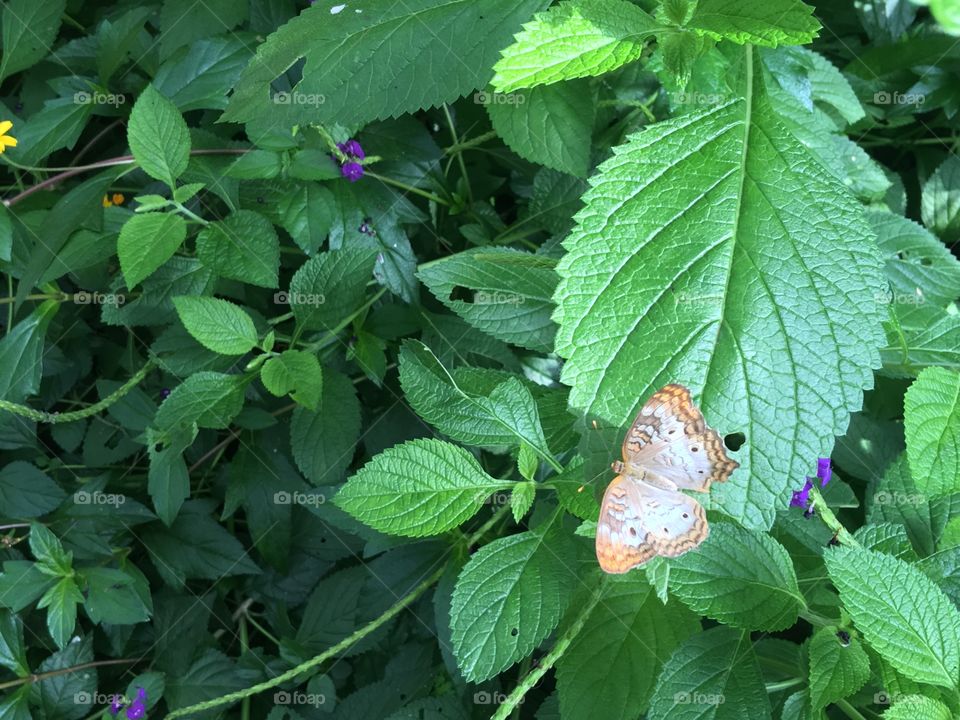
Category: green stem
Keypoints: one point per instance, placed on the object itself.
(459, 147)
(40, 677)
(459, 156)
(550, 659)
(849, 710)
(409, 188)
(190, 214)
(55, 418)
(819, 505)
(300, 669)
(783, 685)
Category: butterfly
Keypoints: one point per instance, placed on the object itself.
(668, 448)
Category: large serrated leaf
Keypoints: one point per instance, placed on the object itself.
(383, 50)
(715, 252)
(902, 614)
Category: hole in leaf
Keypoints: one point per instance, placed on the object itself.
(514, 632)
(734, 441)
(462, 293)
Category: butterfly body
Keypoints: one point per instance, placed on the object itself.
(668, 448)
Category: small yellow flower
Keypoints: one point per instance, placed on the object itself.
(118, 198)
(106, 201)
(6, 140)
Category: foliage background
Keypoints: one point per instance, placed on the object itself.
(279, 442)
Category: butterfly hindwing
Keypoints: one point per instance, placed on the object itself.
(669, 437)
(639, 520)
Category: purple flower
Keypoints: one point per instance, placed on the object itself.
(352, 148)
(824, 471)
(352, 171)
(801, 497)
(117, 704)
(138, 707)
(165, 393)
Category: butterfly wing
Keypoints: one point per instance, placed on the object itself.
(639, 520)
(670, 438)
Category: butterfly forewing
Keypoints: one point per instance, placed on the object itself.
(669, 437)
(643, 512)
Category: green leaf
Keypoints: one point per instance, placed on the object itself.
(214, 552)
(25, 492)
(714, 674)
(66, 694)
(506, 417)
(761, 22)
(422, 487)
(21, 583)
(837, 669)
(940, 206)
(12, 652)
(670, 277)
(201, 76)
(510, 293)
(918, 266)
(48, 550)
(243, 246)
(548, 124)
(168, 480)
(29, 31)
(61, 602)
(902, 614)
(521, 499)
(323, 440)
(158, 137)
(574, 39)
(330, 287)
(296, 373)
(931, 422)
(217, 324)
(209, 399)
(182, 22)
(383, 48)
(509, 597)
(146, 242)
(113, 597)
(911, 707)
(739, 577)
(58, 125)
(619, 653)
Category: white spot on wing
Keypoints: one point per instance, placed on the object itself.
(337, 9)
